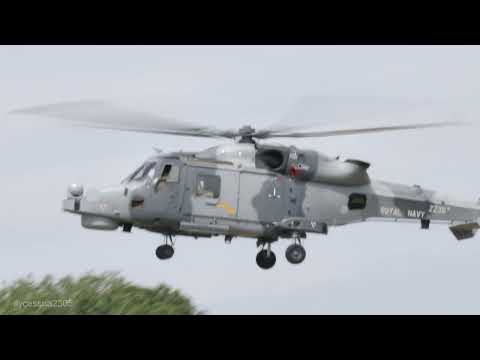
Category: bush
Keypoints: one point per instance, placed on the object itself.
(107, 293)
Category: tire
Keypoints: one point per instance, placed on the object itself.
(266, 262)
(164, 252)
(295, 254)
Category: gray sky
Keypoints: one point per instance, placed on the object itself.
(362, 268)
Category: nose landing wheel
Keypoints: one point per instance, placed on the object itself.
(165, 251)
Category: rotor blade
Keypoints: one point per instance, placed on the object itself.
(330, 110)
(102, 114)
(360, 130)
(194, 133)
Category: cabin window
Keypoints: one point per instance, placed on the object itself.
(208, 186)
(357, 201)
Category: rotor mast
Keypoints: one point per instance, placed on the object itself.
(246, 134)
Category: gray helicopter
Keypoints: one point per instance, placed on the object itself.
(247, 188)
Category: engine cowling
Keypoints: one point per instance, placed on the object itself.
(274, 158)
(309, 165)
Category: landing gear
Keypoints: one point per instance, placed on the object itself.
(266, 261)
(295, 254)
(425, 224)
(266, 258)
(165, 251)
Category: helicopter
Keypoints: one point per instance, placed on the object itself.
(247, 188)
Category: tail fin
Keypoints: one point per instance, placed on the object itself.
(465, 231)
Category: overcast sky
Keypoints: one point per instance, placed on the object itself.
(366, 268)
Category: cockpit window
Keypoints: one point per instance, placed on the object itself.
(144, 170)
(151, 172)
(170, 174)
(165, 172)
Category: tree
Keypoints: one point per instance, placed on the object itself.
(107, 293)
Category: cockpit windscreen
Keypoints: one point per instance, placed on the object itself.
(146, 169)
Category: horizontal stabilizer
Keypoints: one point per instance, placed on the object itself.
(464, 231)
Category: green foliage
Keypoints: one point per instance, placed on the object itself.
(107, 293)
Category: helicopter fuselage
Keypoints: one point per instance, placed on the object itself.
(261, 191)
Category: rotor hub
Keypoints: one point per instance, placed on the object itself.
(246, 134)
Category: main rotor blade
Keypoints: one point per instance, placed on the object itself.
(342, 132)
(343, 111)
(347, 111)
(105, 115)
(194, 133)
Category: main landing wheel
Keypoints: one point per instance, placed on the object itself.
(164, 252)
(266, 259)
(295, 254)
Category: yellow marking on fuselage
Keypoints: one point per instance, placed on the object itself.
(230, 210)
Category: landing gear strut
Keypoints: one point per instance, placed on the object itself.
(166, 250)
(295, 253)
(266, 257)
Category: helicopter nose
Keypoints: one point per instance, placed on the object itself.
(109, 201)
(104, 208)
(109, 208)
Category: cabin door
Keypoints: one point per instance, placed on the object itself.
(211, 193)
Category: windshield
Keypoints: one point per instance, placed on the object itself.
(145, 169)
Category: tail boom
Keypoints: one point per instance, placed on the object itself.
(412, 203)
